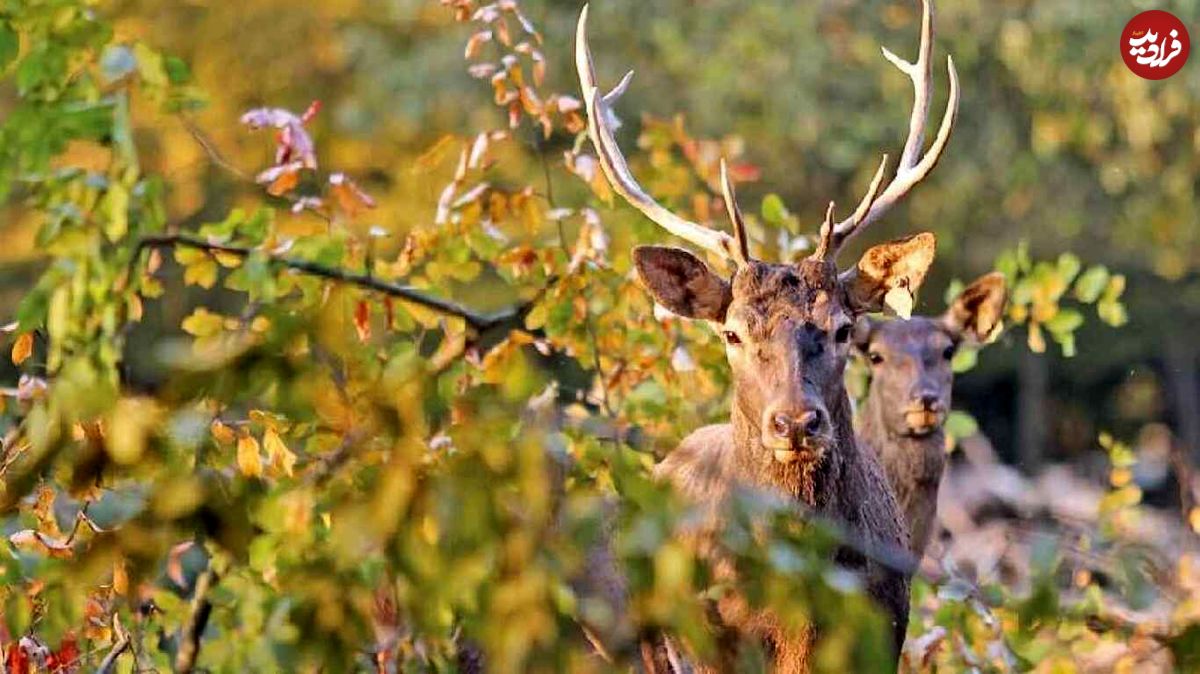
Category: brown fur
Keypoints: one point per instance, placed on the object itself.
(911, 374)
(788, 331)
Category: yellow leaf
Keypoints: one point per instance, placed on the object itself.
(203, 323)
(1037, 340)
(428, 318)
(228, 260)
(248, 459)
(133, 306)
(221, 433)
(120, 577)
(280, 456)
(129, 427)
(22, 348)
(201, 273)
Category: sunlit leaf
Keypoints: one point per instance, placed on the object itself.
(22, 349)
(249, 460)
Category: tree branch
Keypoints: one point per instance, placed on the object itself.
(109, 663)
(476, 320)
(193, 629)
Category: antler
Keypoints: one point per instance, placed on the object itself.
(913, 167)
(619, 176)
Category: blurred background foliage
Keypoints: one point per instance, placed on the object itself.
(213, 461)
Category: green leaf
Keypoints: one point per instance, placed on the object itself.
(961, 425)
(1068, 266)
(1185, 647)
(257, 226)
(774, 212)
(116, 206)
(177, 70)
(1006, 263)
(964, 360)
(10, 44)
(1091, 283)
(953, 290)
(1065, 322)
(1113, 313)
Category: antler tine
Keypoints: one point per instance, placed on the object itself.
(742, 249)
(913, 165)
(616, 169)
(825, 239)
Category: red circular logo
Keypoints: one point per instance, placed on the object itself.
(1155, 44)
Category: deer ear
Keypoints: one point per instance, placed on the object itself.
(978, 310)
(891, 271)
(682, 283)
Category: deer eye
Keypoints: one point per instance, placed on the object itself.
(875, 357)
(948, 353)
(842, 335)
(731, 338)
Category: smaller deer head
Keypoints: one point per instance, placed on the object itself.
(911, 373)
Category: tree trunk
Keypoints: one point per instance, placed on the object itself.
(1183, 387)
(1032, 399)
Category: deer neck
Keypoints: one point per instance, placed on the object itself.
(816, 485)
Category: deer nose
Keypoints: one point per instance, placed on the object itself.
(929, 401)
(785, 425)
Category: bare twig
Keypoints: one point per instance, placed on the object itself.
(476, 320)
(210, 148)
(219, 160)
(197, 620)
(109, 663)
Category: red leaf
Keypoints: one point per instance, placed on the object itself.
(66, 658)
(310, 112)
(17, 660)
(390, 308)
(362, 320)
(744, 172)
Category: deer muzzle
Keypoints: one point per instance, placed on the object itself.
(925, 414)
(792, 436)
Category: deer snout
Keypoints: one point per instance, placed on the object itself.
(928, 401)
(926, 412)
(793, 432)
(787, 426)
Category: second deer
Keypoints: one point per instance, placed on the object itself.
(909, 397)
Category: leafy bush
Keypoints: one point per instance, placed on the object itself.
(273, 442)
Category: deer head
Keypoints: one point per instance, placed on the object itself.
(911, 373)
(787, 327)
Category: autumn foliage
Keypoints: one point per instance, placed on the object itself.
(290, 437)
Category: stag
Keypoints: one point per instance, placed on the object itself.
(787, 329)
(909, 398)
